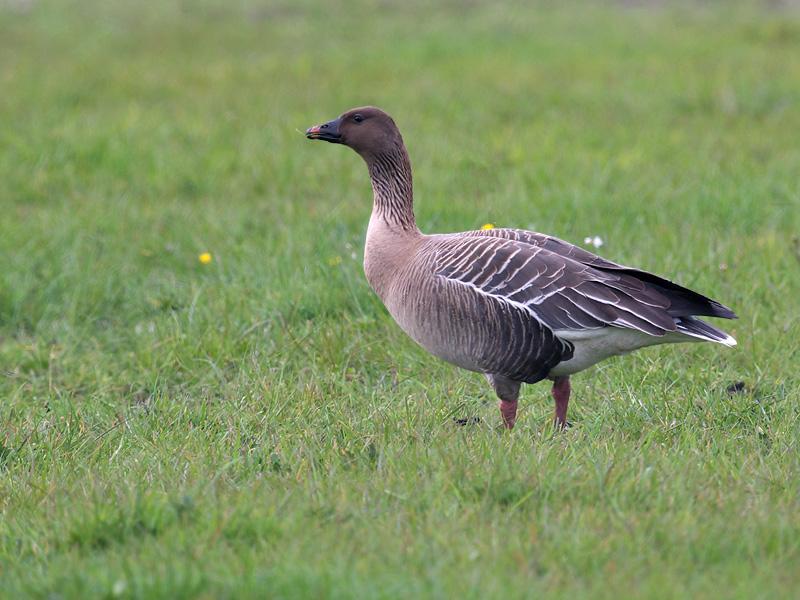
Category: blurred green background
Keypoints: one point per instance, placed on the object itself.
(258, 427)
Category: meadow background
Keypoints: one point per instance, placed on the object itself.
(258, 427)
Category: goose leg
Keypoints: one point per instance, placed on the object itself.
(560, 392)
(507, 391)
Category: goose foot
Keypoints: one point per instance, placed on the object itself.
(561, 390)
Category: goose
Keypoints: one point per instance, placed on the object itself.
(515, 305)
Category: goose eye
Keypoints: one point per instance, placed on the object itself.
(358, 118)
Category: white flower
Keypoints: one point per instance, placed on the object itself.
(595, 241)
(119, 588)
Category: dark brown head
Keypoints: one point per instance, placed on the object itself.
(367, 130)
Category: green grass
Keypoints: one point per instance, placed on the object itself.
(259, 427)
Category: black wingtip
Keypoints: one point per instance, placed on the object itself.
(721, 311)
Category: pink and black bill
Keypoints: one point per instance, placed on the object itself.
(327, 131)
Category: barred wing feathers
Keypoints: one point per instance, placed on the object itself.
(505, 336)
(555, 290)
(682, 301)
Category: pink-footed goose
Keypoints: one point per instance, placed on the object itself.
(516, 305)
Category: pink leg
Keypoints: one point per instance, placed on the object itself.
(560, 392)
(507, 391)
(508, 410)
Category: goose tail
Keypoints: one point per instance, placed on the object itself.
(701, 330)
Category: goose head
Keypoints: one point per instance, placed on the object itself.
(367, 130)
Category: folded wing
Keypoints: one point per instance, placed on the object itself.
(556, 290)
(683, 302)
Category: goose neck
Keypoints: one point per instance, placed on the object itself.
(392, 189)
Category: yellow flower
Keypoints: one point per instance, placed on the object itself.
(335, 260)
(204, 258)
(487, 226)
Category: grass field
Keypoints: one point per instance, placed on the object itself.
(258, 426)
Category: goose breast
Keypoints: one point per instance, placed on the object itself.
(466, 327)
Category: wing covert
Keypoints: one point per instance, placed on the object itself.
(559, 292)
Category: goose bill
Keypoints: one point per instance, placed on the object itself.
(327, 131)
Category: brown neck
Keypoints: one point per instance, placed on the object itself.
(392, 189)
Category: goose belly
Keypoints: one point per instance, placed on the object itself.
(595, 345)
(459, 326)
